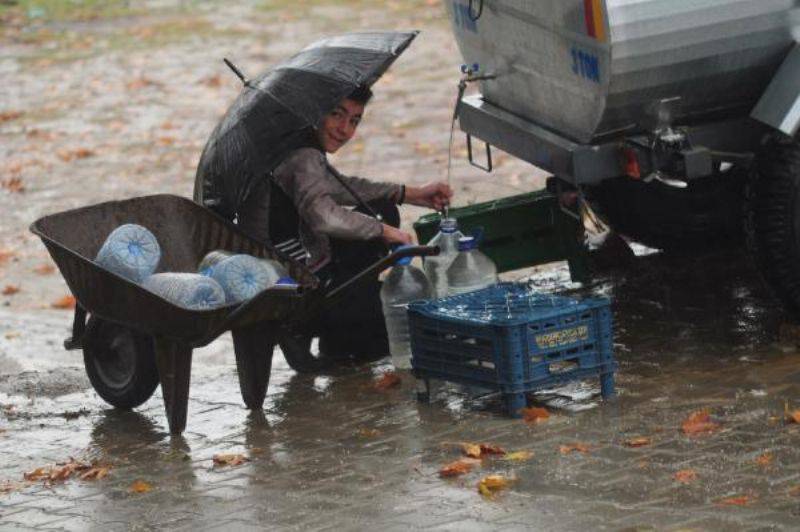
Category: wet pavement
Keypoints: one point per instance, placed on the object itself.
(103, 117)
(332, 451)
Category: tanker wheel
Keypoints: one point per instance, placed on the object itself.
(120, 363)
(773, 219)
(706, 214)
(302, 355)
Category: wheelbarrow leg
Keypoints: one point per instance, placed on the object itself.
(253, 347)
(174, 362)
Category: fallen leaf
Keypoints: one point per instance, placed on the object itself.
(39, 473)
(65, 303)
(794, 492)
(685, 476)
(166, 141)
(140, 486)
(642, 441)
(95, 473)
(62, 472)
(6, 116)
(458, 468)
(70, 155)
(387, 381)
(518, 456)
(534, 414)
(699, 423)
(764, 459)
(15, 185)
(740, 500)
(6, 255)
(232, 460)
(13, 334)
(471, 449)
(7, 486)
(487, 449)
(10, 290)
(490, 485)
(574, 447)
(213, 81)
(139, 83)
(369, 433)
(44, 269)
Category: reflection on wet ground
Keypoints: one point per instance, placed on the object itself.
(333, 452)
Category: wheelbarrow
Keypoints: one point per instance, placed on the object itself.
(134, 339)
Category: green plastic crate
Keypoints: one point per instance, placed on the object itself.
(519, 232)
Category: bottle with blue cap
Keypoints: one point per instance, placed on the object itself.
(471, 270)
(404, 284)
(436, 267)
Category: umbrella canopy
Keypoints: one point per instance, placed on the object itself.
(274, 112)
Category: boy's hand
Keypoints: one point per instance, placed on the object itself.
(392, 235)
(434, 195)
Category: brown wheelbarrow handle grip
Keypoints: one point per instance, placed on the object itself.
(388, 261)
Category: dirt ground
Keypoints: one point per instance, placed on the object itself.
(104, 101)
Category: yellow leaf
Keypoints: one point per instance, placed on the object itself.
(229, 459)
(638, 442)
(491, 484)
(471, 449)
(140, 486)
(518, 456)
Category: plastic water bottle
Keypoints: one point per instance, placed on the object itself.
(244, 276)
(187, 290)
(404, 284)
(471, 270)
(436, 267)
(130, 251)
(213, 258)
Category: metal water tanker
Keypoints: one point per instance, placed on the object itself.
(660, 112)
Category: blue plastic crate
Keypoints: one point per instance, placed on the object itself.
(512, 340)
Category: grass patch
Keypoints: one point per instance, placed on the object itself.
(46, 11)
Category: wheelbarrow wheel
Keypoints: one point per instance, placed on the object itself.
(120, 363)
(302, 355)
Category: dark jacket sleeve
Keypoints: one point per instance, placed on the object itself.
(304, 177)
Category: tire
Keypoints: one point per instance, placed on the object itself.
(300, 354)
(772, 223)
(120, 363)
(706, 214)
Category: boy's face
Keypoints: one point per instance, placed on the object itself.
(340, 125)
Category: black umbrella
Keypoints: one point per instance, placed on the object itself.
(274, 112)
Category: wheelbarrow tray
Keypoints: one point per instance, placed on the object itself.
(186, 232)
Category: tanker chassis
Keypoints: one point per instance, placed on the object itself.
(676, 118)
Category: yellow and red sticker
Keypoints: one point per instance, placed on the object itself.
(595, 24)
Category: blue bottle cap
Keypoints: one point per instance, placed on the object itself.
(286, 281)
(466, 243)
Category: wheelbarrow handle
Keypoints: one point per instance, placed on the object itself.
(333, 297)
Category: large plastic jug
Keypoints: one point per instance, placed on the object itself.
(404, 284)
(188, 290)
(471, 270)
(130, 251)
(436, 267)
(244, 276)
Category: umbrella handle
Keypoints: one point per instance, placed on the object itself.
(236, 71)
